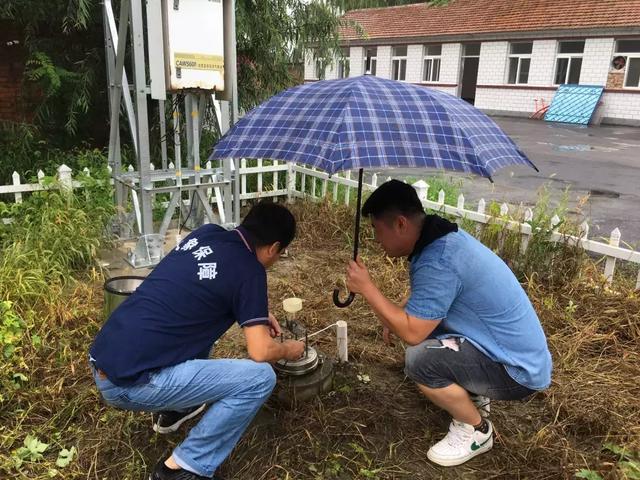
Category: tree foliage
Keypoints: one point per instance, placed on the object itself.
(64, 71)
(271, 39)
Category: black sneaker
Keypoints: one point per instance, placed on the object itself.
(170, 421)
(162, 472)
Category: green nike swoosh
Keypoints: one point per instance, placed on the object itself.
(475, 446)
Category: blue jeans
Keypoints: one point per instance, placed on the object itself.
(235, 390)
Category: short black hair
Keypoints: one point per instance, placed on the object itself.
(269, 223)
(393, 197)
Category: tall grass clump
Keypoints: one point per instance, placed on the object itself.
(50, 243)
(53, 235)
(553, 262)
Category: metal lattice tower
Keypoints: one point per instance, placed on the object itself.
(129, 102)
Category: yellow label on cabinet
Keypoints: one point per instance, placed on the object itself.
(199, 61)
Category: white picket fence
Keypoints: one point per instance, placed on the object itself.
(317, 184)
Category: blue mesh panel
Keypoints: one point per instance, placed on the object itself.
(574, 104)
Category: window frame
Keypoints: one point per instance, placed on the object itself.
(626, 73)
(464, 52)
(628, 57)
(374, 60)
(519, 57)
(400, 59)
(570, 57)
(433, 58)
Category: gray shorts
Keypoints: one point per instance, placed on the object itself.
(435, 365)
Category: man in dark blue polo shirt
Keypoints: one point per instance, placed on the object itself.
(151, 354)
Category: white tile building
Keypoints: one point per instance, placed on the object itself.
(504, 72)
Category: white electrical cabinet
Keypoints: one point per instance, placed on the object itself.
(194, 44)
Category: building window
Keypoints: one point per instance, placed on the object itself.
(399, 63)
(371, 54)
(519, 62)
(431, 63)
(344, 64)
(630, 50)
(471, 50)
(569, 62)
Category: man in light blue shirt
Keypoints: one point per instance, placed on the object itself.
(473, 333)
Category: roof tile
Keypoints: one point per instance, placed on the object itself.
(461, 17)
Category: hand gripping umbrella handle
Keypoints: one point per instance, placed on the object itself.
(356, 240)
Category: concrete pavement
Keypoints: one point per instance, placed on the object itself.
(600, 162)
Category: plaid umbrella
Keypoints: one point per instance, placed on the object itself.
(367, 121)
(370, 122)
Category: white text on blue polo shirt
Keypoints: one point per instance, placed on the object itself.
(190, 244)
(202, 252)
(208, 271)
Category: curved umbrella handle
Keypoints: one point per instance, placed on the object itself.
(356, 240)
(339, 303)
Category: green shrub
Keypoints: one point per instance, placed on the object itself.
(54, 234)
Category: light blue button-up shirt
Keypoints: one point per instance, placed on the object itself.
(457, 280)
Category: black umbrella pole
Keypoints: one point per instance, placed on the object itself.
(356, 243)
(356, 234)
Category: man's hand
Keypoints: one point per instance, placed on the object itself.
(358, 279)
(295, 349)
(274, 326)
(262, 347)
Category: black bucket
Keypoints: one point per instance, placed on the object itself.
(116, 291)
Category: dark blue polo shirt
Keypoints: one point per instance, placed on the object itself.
(187, 302)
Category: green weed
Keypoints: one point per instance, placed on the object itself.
(627, 464)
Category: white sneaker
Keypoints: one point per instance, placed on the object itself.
(462, 443)
(482, 403)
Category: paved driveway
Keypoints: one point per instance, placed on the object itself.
(600, 162)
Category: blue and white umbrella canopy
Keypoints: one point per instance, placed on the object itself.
(371, 122)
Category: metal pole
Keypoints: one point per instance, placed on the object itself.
(231, 77)
(188, 125)
(195, 125)
(140, 82)
(226, 166)
(115, 157)
(188, 121)
(115, 34)
(163, 133)
(230, 21)
(116, 70)
(195, 136)
(177, 154)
